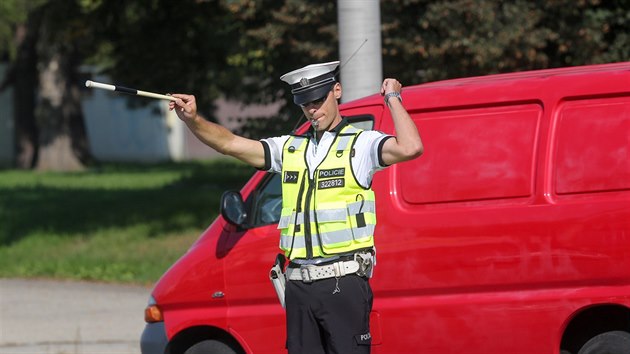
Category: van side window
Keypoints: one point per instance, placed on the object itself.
(473, 155)
(592, 146)
(267, 202)
(364, 121)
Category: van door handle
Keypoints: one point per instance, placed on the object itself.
(218, 295)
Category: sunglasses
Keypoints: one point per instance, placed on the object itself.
(316, 103)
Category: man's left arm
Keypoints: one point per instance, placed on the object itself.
(406, 144)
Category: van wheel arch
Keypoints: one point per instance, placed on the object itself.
(591, 322)
(189, 337)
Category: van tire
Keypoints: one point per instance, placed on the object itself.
(210, 347)
(613, 342)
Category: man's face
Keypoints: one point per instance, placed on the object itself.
(324, 112)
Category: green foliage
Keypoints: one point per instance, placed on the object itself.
(432, 40)
(12, 14)
(168, 46)
(237, 48)
(114, 223)
(240, 48)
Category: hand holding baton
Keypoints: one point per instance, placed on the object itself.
(128, 90)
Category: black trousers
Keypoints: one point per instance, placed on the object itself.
(321, 320)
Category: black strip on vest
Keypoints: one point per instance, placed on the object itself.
(308, 241)
(354, 141)
(298, 209)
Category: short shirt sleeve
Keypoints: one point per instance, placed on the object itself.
(367, 159)
(273, 153)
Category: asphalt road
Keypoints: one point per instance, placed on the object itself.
(63, 317)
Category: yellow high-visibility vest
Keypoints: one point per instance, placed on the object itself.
(331, 213)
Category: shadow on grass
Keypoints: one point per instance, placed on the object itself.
(189, 200)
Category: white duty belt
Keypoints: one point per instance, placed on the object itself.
(361, 265)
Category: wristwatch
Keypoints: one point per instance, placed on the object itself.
(392, 94)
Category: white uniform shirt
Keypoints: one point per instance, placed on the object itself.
(365, 162)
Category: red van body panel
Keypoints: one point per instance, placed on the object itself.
(506, 236)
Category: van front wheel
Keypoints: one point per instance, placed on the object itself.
(210, 347)
(614, 342)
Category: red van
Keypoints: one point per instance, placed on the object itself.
(511, 234)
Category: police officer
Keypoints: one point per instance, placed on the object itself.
(328, 212)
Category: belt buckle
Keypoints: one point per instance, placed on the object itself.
(305, 272)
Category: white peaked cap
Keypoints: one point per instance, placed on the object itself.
(311, 82)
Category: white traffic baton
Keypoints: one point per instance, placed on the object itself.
(127, 90)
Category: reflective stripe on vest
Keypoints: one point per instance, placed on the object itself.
(330, 213)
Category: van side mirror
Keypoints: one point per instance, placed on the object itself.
(233, 208)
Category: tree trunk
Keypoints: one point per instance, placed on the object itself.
(62, 138)
(24, 68)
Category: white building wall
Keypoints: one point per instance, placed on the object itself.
(118, 131)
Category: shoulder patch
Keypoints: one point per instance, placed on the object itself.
(290, 177)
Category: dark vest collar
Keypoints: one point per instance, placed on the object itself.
(310, 133)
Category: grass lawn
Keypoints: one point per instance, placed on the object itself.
(118, 223)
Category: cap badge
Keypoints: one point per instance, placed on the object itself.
(304, 82)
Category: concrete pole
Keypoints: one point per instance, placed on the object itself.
(358, 21)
